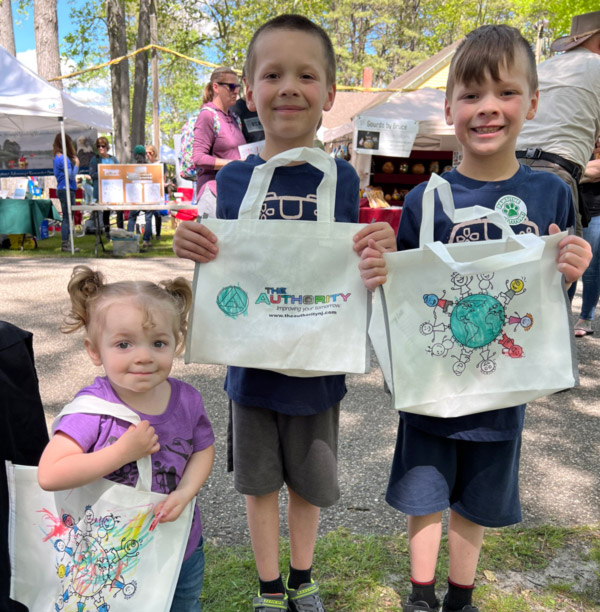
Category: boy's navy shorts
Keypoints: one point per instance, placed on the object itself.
(478, 480)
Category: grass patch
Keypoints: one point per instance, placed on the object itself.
(371, 573)
(51, 247)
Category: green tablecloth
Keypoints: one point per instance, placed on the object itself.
(25, 216)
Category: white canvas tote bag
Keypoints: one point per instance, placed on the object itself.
(280, 295)
(468, 327)
(94, 547)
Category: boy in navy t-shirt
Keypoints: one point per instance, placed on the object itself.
(285, 429)
(470, 464)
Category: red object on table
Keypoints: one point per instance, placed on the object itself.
(391, 215)
(77, 215)
(189, 214)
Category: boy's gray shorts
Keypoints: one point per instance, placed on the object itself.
(270, 448)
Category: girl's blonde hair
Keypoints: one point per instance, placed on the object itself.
(209, 93)
(90, 295)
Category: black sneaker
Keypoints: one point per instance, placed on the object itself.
(467, 608)
(419, 606)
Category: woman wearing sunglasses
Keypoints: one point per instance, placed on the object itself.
(218, 132)
(103, 157)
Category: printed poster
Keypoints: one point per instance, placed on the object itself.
(31, 154)
(379, 136)
(131, 184)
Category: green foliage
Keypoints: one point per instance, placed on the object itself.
(390, 36)
(358, 573)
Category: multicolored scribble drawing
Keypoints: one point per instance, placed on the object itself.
(233, 301)
(96, 557)
(472, 322)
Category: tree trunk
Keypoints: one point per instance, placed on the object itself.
(119, 77)
(7, 33)
(140, 84)
(45, 23)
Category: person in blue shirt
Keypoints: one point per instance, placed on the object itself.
(470, 464)
(65, 170)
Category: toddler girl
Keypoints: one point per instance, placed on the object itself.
(134, 330)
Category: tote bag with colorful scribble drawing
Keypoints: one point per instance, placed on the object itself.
(93, 548)
(468, 327)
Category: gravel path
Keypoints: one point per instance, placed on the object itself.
(560, 467)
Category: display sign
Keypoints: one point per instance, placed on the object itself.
(380, 136)
(31, 154)
(131, 184)
(252, 148)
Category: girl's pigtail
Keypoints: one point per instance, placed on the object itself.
(180, 289)
(85, 286)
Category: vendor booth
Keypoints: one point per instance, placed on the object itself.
(403, 140)
(32, 112)
(398, 144)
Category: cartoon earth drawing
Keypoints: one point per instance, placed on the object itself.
(469, 320)
(233, 301)
(476, 320)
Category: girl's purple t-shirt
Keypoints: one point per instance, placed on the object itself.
(182, 429)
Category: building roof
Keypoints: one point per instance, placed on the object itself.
(431, 73)
(417, 77)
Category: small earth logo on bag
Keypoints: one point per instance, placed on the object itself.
(477, 321)
(233, 301)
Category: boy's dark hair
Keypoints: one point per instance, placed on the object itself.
(486, 49)
(296, 23)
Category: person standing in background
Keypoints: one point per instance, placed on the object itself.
(66, 167)
(103, 157)
(251, 126)
(561, 137)
(590, 194)
(218, 131)
(152, 158)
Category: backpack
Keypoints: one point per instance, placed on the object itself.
(187, 169)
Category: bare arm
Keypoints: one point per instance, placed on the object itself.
(220, 162)
(64, 464)
(592, 171)
(195, 241)
(194, 476)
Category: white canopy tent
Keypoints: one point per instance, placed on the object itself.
(423, 105)
(30, 104)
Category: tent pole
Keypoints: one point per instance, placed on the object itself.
(67, 182)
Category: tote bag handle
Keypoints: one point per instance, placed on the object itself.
(442, 186)
(89, 404)
(531, 245)
(262, 175)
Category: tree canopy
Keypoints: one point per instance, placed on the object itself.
(389, 36)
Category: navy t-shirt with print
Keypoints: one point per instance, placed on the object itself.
(530, 201)
(263, 388)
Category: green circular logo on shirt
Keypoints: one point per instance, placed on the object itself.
(513, 209)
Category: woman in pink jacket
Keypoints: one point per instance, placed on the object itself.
(217, 133)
